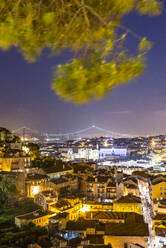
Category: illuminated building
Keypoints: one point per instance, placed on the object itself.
(128, 186)
(58, 221)
(114, 217)
(159, 221)
(128, 203)
(126, 234)
(14, 163)
(113, 151)
(38, 217)
(97, 206)
(46, 198)
(158, 188)
(100, 188)
(64, 184)
(160, 206)
(73, 208)
(88, 153)
(36, 183)
(57, 171)
(119, 235)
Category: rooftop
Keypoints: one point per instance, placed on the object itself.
(59, 180)
(82, 224)
(129, 199)
(36, 177)
(126, 229)
(160, 232)
(57, 168)
(128, 217)
(160, 217)
(32, 215)
(49, 193)
(59, 216)
(158, 181)
(96, 239)
(62, 204)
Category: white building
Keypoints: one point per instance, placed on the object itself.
(112, 151)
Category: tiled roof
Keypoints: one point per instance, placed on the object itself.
(57, 168)
(82, 224)
(127, 216)
(32, 215)
(160, 217)
(36, 177)
(96, 239)
(129, 199)
(126, 229)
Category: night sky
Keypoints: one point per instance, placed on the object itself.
(135, 108)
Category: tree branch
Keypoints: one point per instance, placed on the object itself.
(128, 30)
(85, 14)
(95, 14)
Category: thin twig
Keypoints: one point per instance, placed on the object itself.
(96, 14)
(128, 30)
(85, 14)
(75, 15)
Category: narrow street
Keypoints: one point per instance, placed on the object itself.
(147, 212)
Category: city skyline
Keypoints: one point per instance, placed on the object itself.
(135, 108)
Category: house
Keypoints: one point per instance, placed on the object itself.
(128, 203)
(57, 171)
(46, 198)
(159, 221)
(64, 184)
(126, 234)
(158, 188)
(115, 217)
(118, 235)
(101, 188)
(14, 163)
(128, 186)
(38, 217)
(36, 183)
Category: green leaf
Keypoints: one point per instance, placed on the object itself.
(144, 45)
(48, 18)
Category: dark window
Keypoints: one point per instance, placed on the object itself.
(125, 245)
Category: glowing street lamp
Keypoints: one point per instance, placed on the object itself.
(35, 190)
(85, 208)
(25, 149)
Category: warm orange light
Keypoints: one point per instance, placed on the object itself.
(35, 190)
(85, 208)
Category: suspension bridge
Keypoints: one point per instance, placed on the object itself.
(22, 131)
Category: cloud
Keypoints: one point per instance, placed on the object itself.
(123, 112)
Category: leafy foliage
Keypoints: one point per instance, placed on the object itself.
(33, 150)
(23, 236)
(94, 78)
(144, 45)
(8, 190)
(43, 162)
(90, 28)
(9, 233)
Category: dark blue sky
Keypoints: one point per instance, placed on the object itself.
(135, 108)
